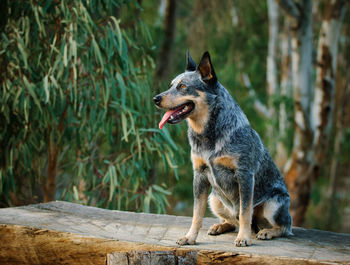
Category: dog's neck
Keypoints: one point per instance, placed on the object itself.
(230, 115)
(219, 112)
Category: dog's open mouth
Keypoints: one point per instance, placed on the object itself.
(177, 114)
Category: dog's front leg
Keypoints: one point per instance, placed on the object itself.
(246, 190)
(200, 193)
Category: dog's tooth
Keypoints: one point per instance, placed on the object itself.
(171, 117)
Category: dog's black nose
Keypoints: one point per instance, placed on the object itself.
(157, 100)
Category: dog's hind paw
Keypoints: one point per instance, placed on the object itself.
(218, 229)
(185, 241)
(267, 234)
(264, 234)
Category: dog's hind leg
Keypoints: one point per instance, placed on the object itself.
(226, 217)
(276, 212)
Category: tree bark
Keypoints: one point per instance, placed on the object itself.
(297, 174)
(333, 179)
(271, 74)
(164, 61)
(325, 77)
(281, 157)
(312, 122)
(343, 95)
(290, 8)
(50, 185)
(52, 157)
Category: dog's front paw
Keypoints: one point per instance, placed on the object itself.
(242, 242)
(185, 241)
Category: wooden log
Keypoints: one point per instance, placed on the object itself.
(152, 258)
(67, 233)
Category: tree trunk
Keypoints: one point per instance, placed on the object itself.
(281, 157)
(312, 123)
(164, 61)
(325, 77)
(271, 74)
(52, 157)
(342, 97)
(50, 185)
(297, 174)
(333, 179)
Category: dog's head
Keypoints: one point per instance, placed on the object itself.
(187, 95)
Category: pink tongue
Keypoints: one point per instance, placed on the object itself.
(166, 117)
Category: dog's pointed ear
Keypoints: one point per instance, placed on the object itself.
(206, 69)
(191, 65)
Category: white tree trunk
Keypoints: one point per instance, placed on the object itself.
(302, 76)
(272, 49)
(325, 76)
(281, 157)
(312, 110)
(271, 74)
(298, 169)
(286, 74)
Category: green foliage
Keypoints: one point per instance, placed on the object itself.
(76, 99)
(77, 86)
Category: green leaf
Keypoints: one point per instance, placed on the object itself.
(46, 88)
(147, 200)
(75, 193)
(169, 161)
(97, 51)
(168, 138)
(21, 49)
(122, 88)
(124, 127)
(119, 34)
(113, 181)
(31, 92)
(65, 56)
(139, 149)
(160, 189)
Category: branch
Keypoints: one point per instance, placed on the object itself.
(260, 108)
(290, 8)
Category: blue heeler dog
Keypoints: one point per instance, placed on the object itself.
(227, 155)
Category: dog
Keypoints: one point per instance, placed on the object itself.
(227, 155)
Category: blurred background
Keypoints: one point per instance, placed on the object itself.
(77, 121)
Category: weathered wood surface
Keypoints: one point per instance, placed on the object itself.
(67, 233)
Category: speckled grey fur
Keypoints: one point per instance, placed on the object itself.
(228, 133)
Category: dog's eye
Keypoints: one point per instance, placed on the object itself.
(181, 86)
